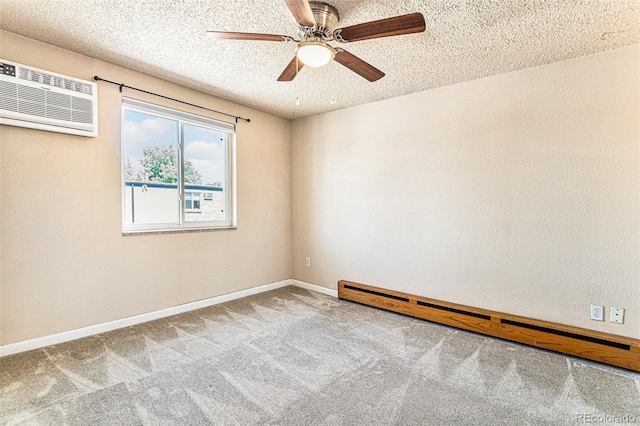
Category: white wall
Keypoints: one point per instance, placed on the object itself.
(152, 205)
(517, 193)
(65, 263)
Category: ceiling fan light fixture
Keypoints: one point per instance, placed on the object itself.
(315, 53)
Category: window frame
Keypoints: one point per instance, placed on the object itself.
(229, 191)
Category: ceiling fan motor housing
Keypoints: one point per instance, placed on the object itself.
(326, 17)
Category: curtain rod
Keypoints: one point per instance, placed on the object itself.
(96, 78)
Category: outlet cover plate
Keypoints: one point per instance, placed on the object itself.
(616, 315)
(597, 312)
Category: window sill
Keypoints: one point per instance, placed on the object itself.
(130, 233)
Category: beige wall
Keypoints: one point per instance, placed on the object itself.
(517, 193)
(64, 261)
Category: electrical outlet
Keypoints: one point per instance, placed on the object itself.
(616, 315)
(597, 312)
(307, 262)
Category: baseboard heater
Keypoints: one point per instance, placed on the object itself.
(597, 346)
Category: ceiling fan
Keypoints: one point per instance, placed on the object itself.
(318, 23)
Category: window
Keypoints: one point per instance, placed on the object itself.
(177, 170)
(192, 201)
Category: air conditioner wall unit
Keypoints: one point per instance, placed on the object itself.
(38, 99)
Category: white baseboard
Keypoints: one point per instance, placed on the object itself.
(66, 336)
(316, 288)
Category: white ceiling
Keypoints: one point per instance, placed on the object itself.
(464, 40)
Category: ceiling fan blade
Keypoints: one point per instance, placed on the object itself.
(301, 10)
(399, 25)
(358, 66)
(291, 70)
(226, 35)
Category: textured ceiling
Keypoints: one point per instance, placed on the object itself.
(464, 40)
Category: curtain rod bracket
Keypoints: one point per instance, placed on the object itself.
(122, 85)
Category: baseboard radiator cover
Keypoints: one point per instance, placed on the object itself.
(593, 345)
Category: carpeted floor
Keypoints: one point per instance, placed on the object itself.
(294, 357)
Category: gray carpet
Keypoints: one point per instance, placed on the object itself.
(294, 357)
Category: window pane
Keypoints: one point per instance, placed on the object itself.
(150, 145)
(205, 154)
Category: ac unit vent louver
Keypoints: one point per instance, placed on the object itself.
(43, 100)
